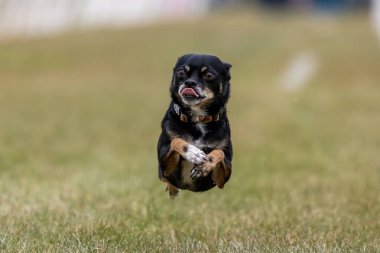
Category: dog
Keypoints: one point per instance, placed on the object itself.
(194, 148)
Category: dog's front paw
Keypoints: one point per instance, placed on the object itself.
(200, 170)
(195, 173)
(195, 155)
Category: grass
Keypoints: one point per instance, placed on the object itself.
(80, 116)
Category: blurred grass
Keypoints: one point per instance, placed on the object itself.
(80, 116)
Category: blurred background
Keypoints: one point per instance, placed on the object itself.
(84, 85)
(20, 18)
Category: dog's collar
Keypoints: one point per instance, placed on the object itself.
(196, 118)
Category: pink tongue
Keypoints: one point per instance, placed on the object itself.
(189, 91)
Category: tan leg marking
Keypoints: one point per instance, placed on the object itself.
(177, 148)
(179, 145)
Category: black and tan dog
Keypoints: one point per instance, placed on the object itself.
(194, 148)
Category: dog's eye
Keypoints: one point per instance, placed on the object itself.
(181, 74)
(209, 76)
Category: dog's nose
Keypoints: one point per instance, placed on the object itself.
(190, 83)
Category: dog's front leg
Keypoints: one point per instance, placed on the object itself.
(215, 164)
(179, 147)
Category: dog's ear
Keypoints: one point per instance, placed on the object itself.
(227, 68)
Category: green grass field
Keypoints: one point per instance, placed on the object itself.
(80, 117)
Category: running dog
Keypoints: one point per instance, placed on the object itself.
(194, 148)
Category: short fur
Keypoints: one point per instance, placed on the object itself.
(196, 156)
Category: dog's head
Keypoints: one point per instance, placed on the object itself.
(200, 80)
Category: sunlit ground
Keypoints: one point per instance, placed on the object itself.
(80, 116)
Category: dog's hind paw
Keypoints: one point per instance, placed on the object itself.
(195, 155)
(173, 191)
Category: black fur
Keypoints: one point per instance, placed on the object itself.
(217, 131)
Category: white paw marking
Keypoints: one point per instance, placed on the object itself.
(195, 155)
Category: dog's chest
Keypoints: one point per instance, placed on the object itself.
(199, 141)
(201, 128)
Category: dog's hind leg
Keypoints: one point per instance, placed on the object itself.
(172, 190)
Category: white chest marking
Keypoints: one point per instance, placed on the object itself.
(201, 144)
(202, 128)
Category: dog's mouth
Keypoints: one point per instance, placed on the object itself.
(189, 93)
